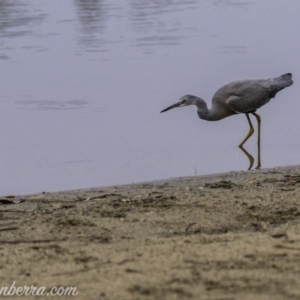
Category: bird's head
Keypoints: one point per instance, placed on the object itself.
(183, 101)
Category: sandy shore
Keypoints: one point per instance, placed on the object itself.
(226, 236)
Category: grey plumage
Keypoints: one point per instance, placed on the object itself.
(244, 96)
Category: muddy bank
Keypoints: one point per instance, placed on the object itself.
(227, 236)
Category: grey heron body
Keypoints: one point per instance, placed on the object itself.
(244, 96)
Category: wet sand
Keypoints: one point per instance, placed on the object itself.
(217, 237)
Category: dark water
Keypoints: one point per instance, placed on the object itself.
(83, 82)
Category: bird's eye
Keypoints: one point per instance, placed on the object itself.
(183, 101)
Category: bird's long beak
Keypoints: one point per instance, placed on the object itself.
(178, 104)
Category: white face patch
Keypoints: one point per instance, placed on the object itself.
(184, 103)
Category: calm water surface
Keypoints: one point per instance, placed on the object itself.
(83, 82)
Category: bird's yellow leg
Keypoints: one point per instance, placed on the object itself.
(258, 118)
(251, 130)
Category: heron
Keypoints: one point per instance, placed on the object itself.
(239, 97)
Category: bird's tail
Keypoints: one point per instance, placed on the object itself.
(284, 80)
(279, 83)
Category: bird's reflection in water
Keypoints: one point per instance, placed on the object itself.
(251, 158)
(251, 131)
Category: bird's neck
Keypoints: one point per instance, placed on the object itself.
(205, 113)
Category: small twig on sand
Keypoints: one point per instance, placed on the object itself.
(31, 241)
(8, 228)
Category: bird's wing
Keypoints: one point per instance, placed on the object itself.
(242, 96)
